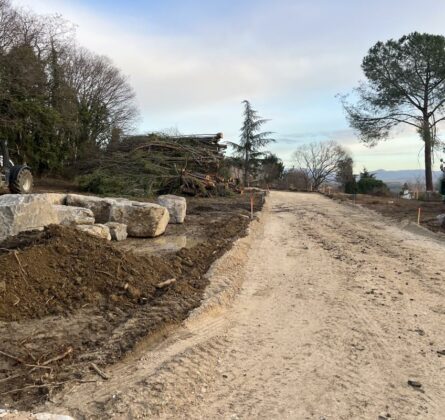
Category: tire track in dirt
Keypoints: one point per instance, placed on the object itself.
(337, 310)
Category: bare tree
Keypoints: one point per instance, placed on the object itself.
(294, 180)
(8, 25)
(320, 161)
(59, 102)
(103, 94)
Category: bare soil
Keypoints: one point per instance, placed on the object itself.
(340, 316)
(69, 300)
(399, 209)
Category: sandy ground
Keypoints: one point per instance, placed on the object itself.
(337, 311)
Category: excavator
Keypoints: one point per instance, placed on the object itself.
(17, 178)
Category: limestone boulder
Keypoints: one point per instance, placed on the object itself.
(99, 230)
(441, 219)
(176, 206)
(51, 198)
(26, 415)
(100, 207)
(118, 231)
(69, 215)
(20, 213)
(143, 220)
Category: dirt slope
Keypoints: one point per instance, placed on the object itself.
(68, 300)
(338, 311)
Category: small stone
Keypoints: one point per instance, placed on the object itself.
(118, 231)
(98, 230)
(414, 384)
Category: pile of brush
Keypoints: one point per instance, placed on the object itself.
(158, 164)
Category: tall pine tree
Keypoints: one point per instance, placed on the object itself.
(252, 140)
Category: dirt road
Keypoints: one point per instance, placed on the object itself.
(337, 312)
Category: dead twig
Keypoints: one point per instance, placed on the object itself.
(55, 359)
(101, 373)
(12, 377)
(165, 283)
(104, 272)
(10, 356)
(22, 270)
(21, 361)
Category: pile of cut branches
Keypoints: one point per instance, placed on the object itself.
(156, 164)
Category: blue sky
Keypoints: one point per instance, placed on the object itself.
(192, 63)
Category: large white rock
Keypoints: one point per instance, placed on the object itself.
(441, 219)
(69, 215)
(24, 415)
(99, 230)
(145, 220)
(52, 198)
(118, 231)
(100, 207)
(20, 213)
(176, 206)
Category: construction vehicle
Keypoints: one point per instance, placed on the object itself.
(18, 178)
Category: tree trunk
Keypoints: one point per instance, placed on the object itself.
(428, 151)
(246, 169)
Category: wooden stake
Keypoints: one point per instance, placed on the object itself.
(251, 205)
(418, 215)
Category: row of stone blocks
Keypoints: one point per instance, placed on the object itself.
(109, 218)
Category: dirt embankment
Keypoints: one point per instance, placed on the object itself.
(69, 300)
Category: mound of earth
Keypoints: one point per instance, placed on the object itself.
(70, 301)
(60, 269)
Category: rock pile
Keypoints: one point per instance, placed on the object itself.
(108, 218)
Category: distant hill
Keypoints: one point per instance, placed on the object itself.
(405, 175)
(395, 179)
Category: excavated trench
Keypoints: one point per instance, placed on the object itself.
(71, 303)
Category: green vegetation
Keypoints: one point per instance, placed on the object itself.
(345, 176)
(405, 85)
(368, 184)
(58, 103)
(252, 140)
(271, 168)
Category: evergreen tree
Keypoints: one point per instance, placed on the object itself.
(405, 86)
(252, 140)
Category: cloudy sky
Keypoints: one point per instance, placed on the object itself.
(192, 62)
